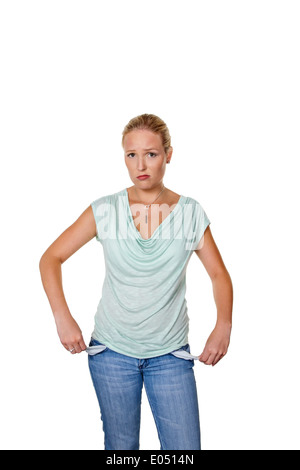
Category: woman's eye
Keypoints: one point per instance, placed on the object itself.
(150, 153)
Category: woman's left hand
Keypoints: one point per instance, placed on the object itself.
(217, 344)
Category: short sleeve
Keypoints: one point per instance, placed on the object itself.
(199, 223)
(202, 222)
(99, 208)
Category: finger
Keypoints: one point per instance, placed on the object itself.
(72, 349)
(210, 359)
(218, 358)
(68, 347)
(77, 348)
(82, 345)
(204, 356)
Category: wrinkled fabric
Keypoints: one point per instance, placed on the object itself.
(93, 350)
(143, 310)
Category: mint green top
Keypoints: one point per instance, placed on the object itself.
(143, 311)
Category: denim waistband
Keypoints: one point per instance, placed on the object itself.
(181, 353)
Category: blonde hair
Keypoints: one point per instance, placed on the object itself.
(152, 123)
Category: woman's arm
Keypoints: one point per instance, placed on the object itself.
(218, 342)
(70, 241)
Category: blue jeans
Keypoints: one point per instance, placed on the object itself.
(171, 390)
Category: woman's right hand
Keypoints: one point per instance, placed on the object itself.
(70, 334)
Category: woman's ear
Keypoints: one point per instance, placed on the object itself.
(169, 155)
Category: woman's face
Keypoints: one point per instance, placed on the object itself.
(144, 155)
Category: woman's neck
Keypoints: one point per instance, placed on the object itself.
(148, 195)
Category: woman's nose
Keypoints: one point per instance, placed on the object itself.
(141, 165)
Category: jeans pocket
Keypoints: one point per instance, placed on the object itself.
(184, 353)
(95, 347)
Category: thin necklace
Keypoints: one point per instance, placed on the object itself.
(148, 205)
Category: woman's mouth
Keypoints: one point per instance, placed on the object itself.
(143, 177)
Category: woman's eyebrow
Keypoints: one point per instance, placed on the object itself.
(152, 148)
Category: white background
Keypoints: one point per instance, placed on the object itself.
(224, 76)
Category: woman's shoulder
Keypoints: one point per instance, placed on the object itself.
(197, 209)
(108, 198)
(194, 200)
(191, 200)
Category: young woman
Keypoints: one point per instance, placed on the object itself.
(148, 233)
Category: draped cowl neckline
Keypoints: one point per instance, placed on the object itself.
(143, 310)
(154, 236)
